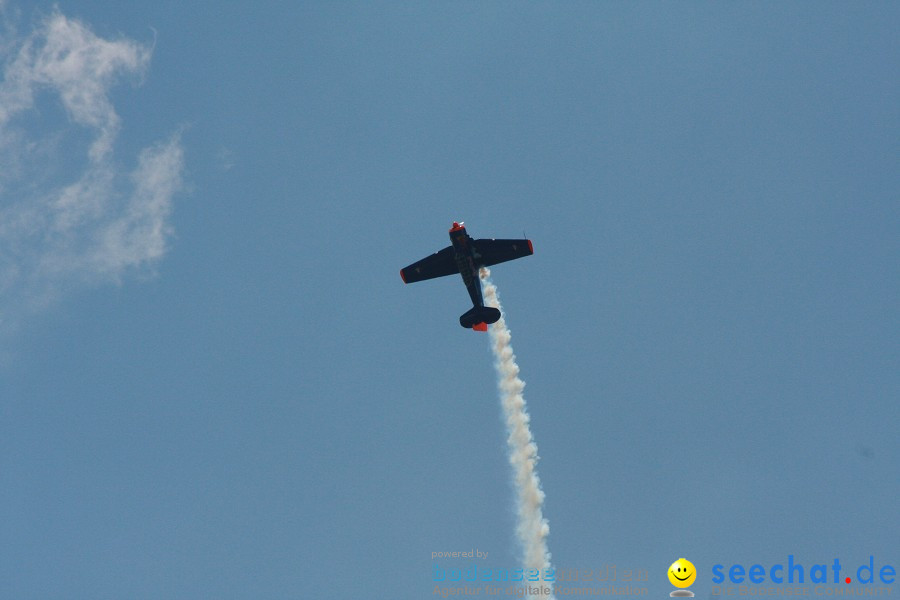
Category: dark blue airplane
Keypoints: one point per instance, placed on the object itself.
(465, 256)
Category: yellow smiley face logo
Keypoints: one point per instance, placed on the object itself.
(682, 573)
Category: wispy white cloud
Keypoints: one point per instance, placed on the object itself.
(70, 215)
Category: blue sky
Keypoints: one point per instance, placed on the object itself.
(213, 383)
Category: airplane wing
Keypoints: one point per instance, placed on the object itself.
(497, 251)
(439, 264)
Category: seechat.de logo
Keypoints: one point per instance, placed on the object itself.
(795, 572)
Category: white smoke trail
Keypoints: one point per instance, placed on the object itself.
(532, 527)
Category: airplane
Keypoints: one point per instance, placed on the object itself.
(465, 256)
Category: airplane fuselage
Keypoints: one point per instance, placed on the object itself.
(464, 255)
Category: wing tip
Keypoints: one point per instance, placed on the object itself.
(402, 276)
(530, 247)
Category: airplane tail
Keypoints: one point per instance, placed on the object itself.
(479, 317)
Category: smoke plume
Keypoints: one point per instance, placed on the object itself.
(532, 529)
